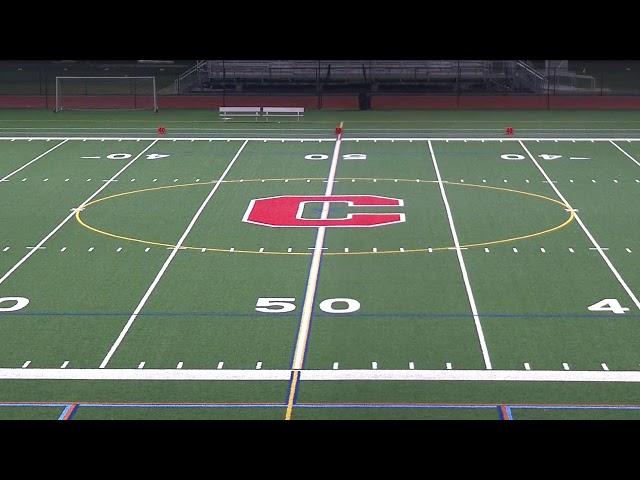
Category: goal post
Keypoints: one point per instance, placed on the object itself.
(106, 93)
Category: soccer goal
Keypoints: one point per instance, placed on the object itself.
(94, 93)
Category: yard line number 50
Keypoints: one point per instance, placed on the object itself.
(284, 305)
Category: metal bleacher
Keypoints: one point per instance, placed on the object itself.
(341, 70)
(435, 75)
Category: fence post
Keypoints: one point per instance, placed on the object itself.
(46, 92)
(458, 87)
(548, 94)
(318, 89)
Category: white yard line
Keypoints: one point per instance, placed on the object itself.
(629, 156)
(70, 216)
(169, 259)
(463, 268)
(7, 177)
(320, 375)
(214, 128)
(326, 139)
(314, 270)
(599, 249)
(489, 139)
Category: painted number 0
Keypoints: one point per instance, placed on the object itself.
(346, 156)
(18, 304)
(119, 156)
(328, 305)
(284, 305)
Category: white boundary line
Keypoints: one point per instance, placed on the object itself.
(629, 156)
(591, 376)
(491, 139)
(70, 216)
(314, 271)
(586, 231)
(463, 268)
(169, 259)
(219, 126)
(31, 161)
(327, 139)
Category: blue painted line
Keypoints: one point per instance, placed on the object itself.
(399, 405)
(313, 312)
(180, 405)
(322, 314)
(509, 408)
(484, 314)
(575, 407)
(65, 411)
(295, 338)
(509, 413)
(151, 314)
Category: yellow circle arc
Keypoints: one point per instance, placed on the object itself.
(571, 217)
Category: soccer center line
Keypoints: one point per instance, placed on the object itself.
(314, 271)
(463, 268)
(595, 376)
(169, 259)
(71, 215)
(585, 229)
(31, 161)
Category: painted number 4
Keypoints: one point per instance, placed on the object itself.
(283, 305)
(125, 156)
(608, 305)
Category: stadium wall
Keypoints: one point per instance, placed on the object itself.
(519, 102)
(345, 102)
(310, 102)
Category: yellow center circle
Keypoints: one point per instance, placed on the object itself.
(570, 218)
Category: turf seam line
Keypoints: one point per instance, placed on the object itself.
(169, 259)
(70, 216)
(463, 268)
(599, 249)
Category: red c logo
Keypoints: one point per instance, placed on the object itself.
(286, 211)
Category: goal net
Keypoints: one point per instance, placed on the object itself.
(94, 93)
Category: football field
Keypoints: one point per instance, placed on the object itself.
(282, 272)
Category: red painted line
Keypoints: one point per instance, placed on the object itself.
(505, 412)
(70, 412)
